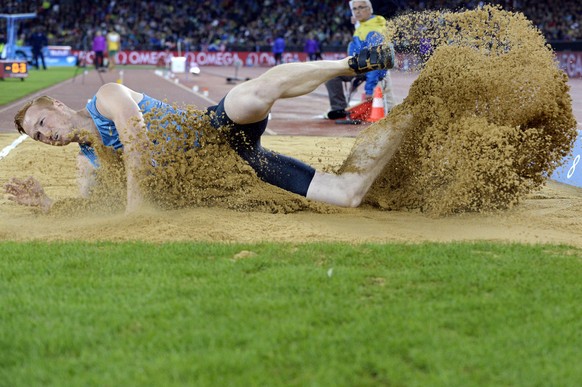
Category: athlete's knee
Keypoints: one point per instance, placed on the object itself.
(247, 106)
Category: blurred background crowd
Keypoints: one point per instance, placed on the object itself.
(250, 25)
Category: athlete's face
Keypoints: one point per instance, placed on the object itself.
(361, 11)
(49, 124)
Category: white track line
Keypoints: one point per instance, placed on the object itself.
(209, 100)
(11, 147)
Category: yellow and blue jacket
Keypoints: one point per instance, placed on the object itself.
(369, 33)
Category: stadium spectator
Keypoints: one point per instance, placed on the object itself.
(368, 32)
(278, 48)
(38, 41)
(113, 46)
(312, 48)
(145, 25)
(2, 45)
(99, 45)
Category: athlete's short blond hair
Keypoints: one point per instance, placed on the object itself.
(44, 100)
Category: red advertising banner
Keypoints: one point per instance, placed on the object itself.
(570, 61)
(205, 58)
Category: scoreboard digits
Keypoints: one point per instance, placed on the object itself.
(13, 69)
(16, 68)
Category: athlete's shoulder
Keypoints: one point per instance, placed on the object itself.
(115, 93)
(115, 100)
(112, 88)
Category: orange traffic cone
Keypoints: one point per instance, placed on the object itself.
(377, 106)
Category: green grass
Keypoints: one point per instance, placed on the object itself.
(105, 314)
(13, 89)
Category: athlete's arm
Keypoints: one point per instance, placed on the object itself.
(85, 175)
(28, 192)
(117, 103)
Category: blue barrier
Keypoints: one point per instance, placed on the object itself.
(61, 61)
(571, 170)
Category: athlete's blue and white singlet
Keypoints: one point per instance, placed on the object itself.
(107, 129)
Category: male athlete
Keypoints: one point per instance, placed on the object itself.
(115, 116)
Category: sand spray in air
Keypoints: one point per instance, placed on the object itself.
(491, 113)
(487, 120)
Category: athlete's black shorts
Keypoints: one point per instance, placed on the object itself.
(277, 169)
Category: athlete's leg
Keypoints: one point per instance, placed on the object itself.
(368, 157)
(282, 171)
(251, 101)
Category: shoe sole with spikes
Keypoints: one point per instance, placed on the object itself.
(374, 58)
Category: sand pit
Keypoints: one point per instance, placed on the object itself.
(552, 215)
(442, 186)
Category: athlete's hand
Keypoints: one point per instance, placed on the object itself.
(28, 192)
